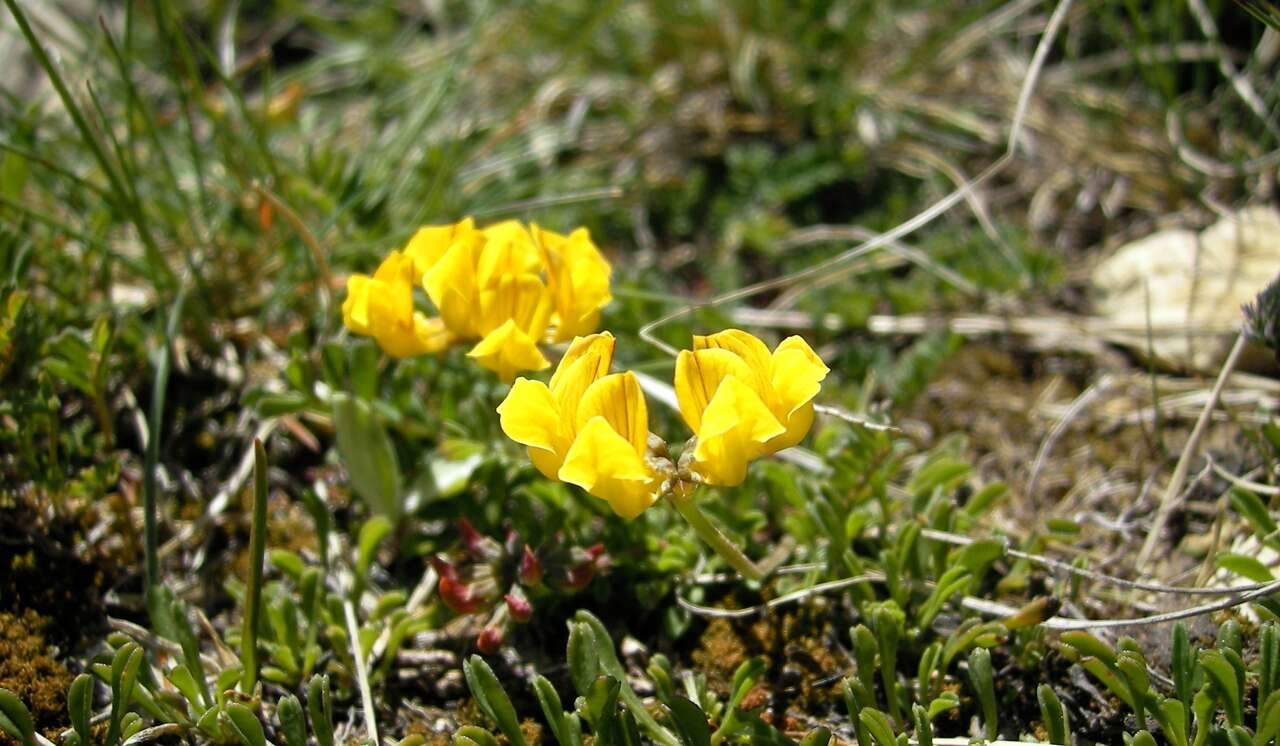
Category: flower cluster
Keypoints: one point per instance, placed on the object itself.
(503, 580)
(505, 287)
(591, 428)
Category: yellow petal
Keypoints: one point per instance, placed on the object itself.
(604, 464)
(451, 285)
(617, 399)
(798, 424)
(519, 298)
(740, 343)
(355, 307)
(431, 333)
(508, 249)
(578, 276)
(796, 373)
(430, 243)
(698, 375)
(529, 416)
(391, 293)
(735, 427)
(507, 350)
(586, 361)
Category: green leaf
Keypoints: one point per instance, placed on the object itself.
(492, 698)
(982, 678)
(368, 454)
(1223, 675)
(1089, 645)
(245, 724)
(320, 709)
(552, 709)
(1268, 720)
(986, 498)
(609, 664)
(1142, 738)
(292, 722)
(1253, 510)
(1053, 714)
(821, 737)
(878, 725)
(80, 707)
(600, 706)
(690, 721)
(15, 719)
(584, 666)
(184, 682)
(924, 729)
(470, 735)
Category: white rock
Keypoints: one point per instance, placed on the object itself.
(1197, 284)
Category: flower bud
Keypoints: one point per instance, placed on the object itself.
(459, 596)
(530, 568)
(490, 640)
(518, 606)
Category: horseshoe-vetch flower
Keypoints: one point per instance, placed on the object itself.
(743, 402)
(588, 428)
(381, 307)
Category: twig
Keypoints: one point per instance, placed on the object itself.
(1174, 488)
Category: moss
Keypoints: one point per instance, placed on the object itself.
(29, 670)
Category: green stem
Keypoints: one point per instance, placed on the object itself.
(715, 539)
(257, 548)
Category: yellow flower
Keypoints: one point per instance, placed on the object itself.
(382, 307)
(544, 417)
(513, 317)
(744, 402)
(578, 278)
(587, 428)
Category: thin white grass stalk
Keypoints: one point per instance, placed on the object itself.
(588, 195)
(1174, 488)
(788, 598)
(1062, 624)
(1258, 487)
(1060, 566)
(362, 675)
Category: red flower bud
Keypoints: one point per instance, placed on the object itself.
(490, 640)
(577, 577)
(460, 597)
(530, 568)
(519, 607)
(479, 546)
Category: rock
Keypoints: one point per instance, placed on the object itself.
(1197, 284)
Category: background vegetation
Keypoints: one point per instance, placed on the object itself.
(185, 186)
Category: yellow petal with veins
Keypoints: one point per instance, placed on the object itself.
(698, 375)
(451, 285)
(617, 399)
(586, 361)
(605, 464)
(355, 307)
(735, 427)
(529, 416)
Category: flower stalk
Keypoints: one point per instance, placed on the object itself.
(682, 501)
